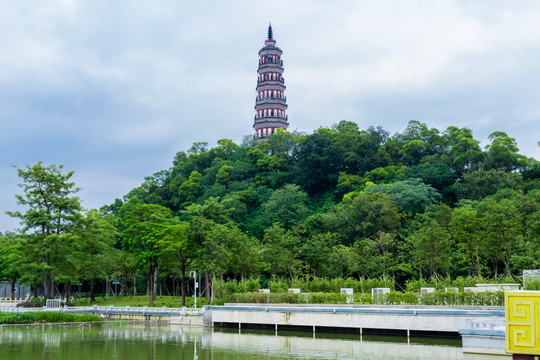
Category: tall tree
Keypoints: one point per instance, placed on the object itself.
(146, 225)
(412, 195)
(287, 206)
(97, 236)
(177, 252)
(280, 251)
(53, 211)
(467, 229)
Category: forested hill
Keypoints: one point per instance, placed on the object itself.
(349, 202)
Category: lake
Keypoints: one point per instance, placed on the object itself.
(146, 340)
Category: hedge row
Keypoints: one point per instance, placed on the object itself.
(362, 285)
(44, 317)
(392, 298)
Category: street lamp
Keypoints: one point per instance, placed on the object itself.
(195, 286)
(115, 282)
(80, 284)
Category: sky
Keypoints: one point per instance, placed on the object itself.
(113, 89)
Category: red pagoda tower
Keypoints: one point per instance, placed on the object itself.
(271, 103)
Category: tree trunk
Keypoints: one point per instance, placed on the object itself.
(183, 283)
(47, 287)
(92, 294)
(66, 291)
(155, 280)
(207, 286)
(151, 288)
(70, 290)
(478, 270)
(13, 282)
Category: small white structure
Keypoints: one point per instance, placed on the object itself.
(531, 274)
(294, 291)
(427, 290)
(264, 291)
(377, 293)
(497, 287)
(350, 294)
(53, 304)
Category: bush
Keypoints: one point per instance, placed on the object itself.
(327, 291)
(531, 283)
(44, 317)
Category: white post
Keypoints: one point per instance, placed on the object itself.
(195, 286)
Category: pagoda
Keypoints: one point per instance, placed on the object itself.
(271, 103)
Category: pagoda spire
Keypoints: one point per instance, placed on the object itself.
(270, 103)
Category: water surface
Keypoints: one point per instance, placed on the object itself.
(137, 341)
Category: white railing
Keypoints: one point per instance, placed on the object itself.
(108, 309)
(485, 324)
(4, 301)
(144, 309)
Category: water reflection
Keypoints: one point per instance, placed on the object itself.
(136, 341)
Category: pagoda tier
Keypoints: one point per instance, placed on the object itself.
(271, 102)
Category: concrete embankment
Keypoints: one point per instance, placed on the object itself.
(478, 326)
(398, 320)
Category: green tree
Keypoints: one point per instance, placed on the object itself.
(467, 229)
(224, 175)
(360, 216)
(97, 236)
(465, 153)
(9, 253)
(432, 246)
(502, 153)
(318, 254)
(383, 245)
(146, 225)
(177, 252)
(190, 189)
(53, 212)
(317, 161)
(280, 252)
(287, 206)
(503, 223)
(477, 185)
(412, 195)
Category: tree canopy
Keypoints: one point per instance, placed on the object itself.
(338, 202)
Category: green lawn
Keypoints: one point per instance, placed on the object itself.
(140, 301)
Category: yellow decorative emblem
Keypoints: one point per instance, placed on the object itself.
(522, 314)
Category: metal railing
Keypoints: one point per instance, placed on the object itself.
(112, 310)
(10, 301)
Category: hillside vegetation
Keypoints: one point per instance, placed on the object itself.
(340, 202)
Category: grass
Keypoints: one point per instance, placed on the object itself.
(44, 317)
(140, 301)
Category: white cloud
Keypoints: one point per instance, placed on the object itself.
(130, 82)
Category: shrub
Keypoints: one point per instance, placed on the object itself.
(531, 283)
(44, 317)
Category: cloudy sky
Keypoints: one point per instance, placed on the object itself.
(113, 89)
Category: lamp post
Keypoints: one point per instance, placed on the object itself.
(80, 284)
(195, 286)
(115, 282)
